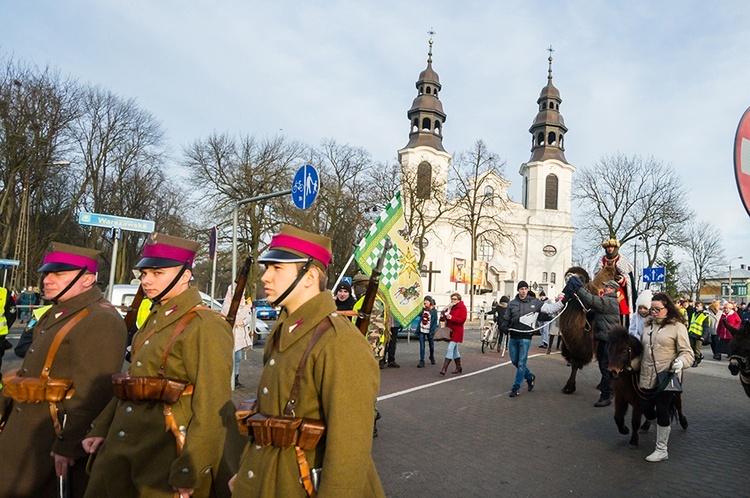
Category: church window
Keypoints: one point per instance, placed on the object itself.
(426, 124)
(486, 250)
(544, 277)
(489, 194)
(429, 90)
(550, 192)
(551, 139)
(562, 144)
(421, 90)
(544, 106)
(540, 138)
(424, 180)
(437, 127)
(552, 278)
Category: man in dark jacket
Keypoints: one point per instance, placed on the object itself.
(520, 321)
(606, 317)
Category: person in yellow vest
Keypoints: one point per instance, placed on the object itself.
(63, 382)
(699, 330)
(335, 392)
(182, 358)
(7, 317)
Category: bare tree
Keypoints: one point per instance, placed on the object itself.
(705, 252)
(478, 211)
(629, 197)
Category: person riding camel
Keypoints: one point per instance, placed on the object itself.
(624, 277)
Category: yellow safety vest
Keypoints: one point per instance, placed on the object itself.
(3, 320)
(696, 326)
(143, 311)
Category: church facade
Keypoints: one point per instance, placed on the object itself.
(536, 243)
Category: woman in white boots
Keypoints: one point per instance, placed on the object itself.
(666, 348)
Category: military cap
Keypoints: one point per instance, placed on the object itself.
(63, 257)
(164, 251)
(360, 278)
(292, 245)
(610, 243)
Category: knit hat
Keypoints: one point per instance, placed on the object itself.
(541, 293)
(644, 298)
(522, 283)
(505, 299)
(344, 285)
(430, 299)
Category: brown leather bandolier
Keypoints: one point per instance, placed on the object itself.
(285, 431)
(44, 388)
(152, 389)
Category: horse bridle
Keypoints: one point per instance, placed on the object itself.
(744, 367)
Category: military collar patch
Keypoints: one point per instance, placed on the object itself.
(170, 311)
(295, 325)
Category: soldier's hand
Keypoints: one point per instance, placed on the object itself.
(61, 464)
(231, 483)
(92, 444)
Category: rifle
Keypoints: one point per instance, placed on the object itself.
(239, 288)
(363, 317)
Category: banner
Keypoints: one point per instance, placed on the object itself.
(400, 281)
(460, 272)
(212, 244)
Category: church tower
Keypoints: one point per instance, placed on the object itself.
(547, 176)
(424, 161)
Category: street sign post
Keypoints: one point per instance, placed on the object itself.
(655, 274)
(116, 224)
(305, 186)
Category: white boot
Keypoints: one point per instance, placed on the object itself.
(662, 437)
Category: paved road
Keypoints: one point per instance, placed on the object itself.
(462, 436)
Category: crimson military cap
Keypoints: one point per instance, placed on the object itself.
(64, 257)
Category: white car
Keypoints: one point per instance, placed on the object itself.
(123, 295)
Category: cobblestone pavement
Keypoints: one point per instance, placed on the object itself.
(461, 435)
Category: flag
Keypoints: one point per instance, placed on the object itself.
(212, 244)
(400, 281)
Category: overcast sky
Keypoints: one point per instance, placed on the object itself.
(668, 79)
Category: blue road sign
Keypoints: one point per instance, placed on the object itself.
(9, 262)
(305, 186)
(348, 280)
(107, 221)
(656, 274)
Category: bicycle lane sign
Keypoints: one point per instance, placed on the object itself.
(305, 186)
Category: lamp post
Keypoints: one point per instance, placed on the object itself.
(730, 275)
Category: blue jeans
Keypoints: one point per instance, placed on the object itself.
(422, 339)
(519, 352)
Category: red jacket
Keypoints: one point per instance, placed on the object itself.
(456, 323)
(733, 319)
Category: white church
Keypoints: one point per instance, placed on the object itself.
(538, 246)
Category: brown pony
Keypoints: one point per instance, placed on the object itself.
(575, 327)
(624, 349)
(739, 353)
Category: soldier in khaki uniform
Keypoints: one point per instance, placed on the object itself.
(338, 386)
(136, 456)
(42, 438)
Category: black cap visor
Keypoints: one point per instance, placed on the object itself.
(53, 267)
(158, 263)
(279, 256)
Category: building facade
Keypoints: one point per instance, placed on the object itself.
(536, 244)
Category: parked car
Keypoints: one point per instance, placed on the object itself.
(261, 331)
(264, 310)
(412, 329)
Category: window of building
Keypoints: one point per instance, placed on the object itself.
(552, 278)
(551, 138)
(550, 192)
(544, 277)
(424, 180)
(426, 124)
(489, 195)
(486, 250)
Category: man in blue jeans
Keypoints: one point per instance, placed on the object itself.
(520, 320)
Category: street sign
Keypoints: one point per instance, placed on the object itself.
(9, 262)
(742, 159)
(656, 274)
(107, 221)
(305, 186)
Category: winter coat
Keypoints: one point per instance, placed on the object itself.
(518, 308)
(139, 457)
(733, 319)
(606, 312)
(339, 386)
(429, 321)
(456, 322)
(668, 343)
(90, 353)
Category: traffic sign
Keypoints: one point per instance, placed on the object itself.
(656, 274)
(107, 221)
(742, 159)
(9, 262)
(305, 186)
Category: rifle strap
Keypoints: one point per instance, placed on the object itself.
(324, 325)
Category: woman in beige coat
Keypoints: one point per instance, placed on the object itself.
(666, 348)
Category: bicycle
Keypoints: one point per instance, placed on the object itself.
(489, 337)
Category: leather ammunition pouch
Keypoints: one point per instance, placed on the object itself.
(132, 388)
(245, 410)
(283, 432)
(36, 389)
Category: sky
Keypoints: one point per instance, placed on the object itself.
(667, 79)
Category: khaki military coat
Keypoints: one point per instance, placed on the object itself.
(339, 386)
(138, 457)
(91, 352)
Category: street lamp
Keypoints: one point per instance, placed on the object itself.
(730, 276)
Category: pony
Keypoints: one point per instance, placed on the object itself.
(624, 351)
(575, 327)
(739, 353)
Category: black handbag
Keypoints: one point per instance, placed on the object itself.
(669, 382)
